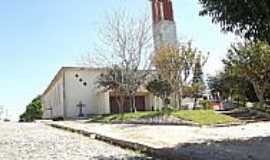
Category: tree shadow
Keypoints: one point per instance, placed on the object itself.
(251, 149)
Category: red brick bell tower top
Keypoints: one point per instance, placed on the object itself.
(162, 10)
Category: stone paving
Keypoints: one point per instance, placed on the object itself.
(245, 142)
(168, 136)
(36, 141)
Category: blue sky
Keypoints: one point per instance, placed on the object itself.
(37, 37)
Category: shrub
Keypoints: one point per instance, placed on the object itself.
(169, 109)
(205, 103)
(33, 111)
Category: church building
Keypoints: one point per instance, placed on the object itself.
(74, 92)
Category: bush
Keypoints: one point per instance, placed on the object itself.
(33, 111)
(206, 104)
(169, 109)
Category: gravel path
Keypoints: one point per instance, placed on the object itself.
(244, 142)
(170, 136)
(35, 141)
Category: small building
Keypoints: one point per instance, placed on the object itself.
(74, 93)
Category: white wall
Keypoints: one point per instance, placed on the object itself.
(54, 99)
(68, 91)
(95, 102)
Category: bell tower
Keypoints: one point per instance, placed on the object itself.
(164, 27)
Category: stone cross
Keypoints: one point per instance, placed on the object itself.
(80, 106)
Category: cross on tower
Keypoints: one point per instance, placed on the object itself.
(80, 106)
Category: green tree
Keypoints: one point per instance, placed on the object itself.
(174, 64)
(114, 80)
(198, 85)
(219, 86)
(247, 18)
(251, 61)
(160, 88)
(33, 111)
(230, 85)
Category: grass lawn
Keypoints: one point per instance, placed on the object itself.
(202, 117)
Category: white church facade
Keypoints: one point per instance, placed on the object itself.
(74, 93)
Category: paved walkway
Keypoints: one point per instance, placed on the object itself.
(36, 141)
(245, 142)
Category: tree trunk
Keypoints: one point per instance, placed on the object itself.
(164, 103)
(179, 100)
(180, 94)
(120, 102)
(176, 100)
(133, 102)
(195, 102)
(259, 93)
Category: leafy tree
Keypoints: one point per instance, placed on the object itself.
(33, 111)
(251, 61)
(197, 71)
(160, 88)
(219, 86)
(174, 64)
(229, 85)
(198, 86)
(113, 81)
(247, 18)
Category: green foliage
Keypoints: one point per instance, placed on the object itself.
(195, 90)
(219, 84)
(112, 80)
(169, 109)
(229, 85)
(124, 81)
(206, 104)
(197, 70)
(248, 18)
(160, 88)
(33, 111)
(198, 86)
(202, 117)
(174, 64)
(251, 62)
